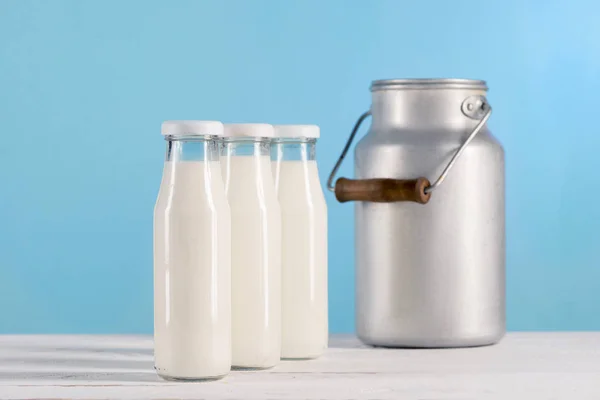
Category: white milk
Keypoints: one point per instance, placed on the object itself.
(255, 262)
(304, 259)
(192, 254)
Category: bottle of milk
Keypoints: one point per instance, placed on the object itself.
(304, 241)
(255, 245)
(192, 257)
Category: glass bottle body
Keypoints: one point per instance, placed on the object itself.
(192, 261)
(304, 248)
(256, 252)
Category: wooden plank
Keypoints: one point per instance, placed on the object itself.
(523, 365)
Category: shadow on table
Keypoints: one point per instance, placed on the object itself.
(76, 370)
(76, 367)
(352, 342)
(346, 341)
(146, 350)
(77, 363)
(87, 378)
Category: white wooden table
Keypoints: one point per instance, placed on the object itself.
(523, 366)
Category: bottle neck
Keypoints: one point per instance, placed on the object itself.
(293, 149)
(197, 148)
(245, 147)
(427, 109)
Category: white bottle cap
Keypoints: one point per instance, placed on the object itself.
(192, 128)
(297, 131)
(248, 130)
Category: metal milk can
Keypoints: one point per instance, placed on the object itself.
(429, 211)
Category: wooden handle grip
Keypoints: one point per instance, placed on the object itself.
(382, 190)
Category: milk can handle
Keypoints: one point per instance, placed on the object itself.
(385, 190)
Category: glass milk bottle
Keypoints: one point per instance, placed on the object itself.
(304, 242)
(192, 257)
(255, 245)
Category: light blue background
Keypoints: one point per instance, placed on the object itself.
(84, 86)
